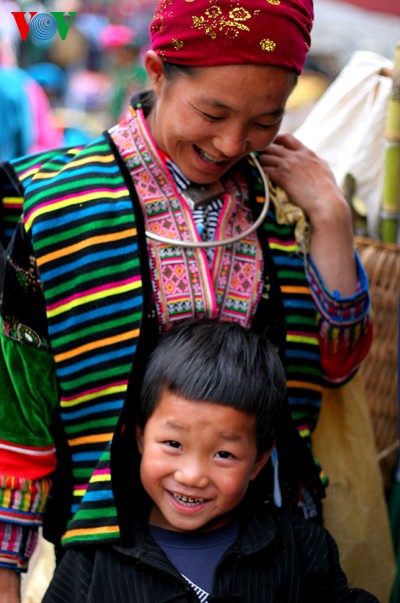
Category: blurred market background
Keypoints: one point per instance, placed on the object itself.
(89, 76)
(56, 92)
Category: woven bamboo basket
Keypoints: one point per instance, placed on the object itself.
(379, 369)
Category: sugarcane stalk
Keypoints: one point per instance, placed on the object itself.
(390, 205)
(357, 206)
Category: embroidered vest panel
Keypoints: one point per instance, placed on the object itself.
(183, 284)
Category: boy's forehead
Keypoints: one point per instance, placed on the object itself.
(182, 414)
(182, 425)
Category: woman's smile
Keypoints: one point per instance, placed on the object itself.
(207, 121)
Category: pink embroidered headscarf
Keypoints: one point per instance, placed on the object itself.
(201, 33)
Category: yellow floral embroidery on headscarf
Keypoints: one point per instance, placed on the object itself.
(213, 21)
(177, 44)
(268, 45)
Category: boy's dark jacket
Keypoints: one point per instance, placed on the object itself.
(279, 557)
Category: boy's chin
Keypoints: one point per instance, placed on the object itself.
(217, 522)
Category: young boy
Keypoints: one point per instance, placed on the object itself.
(205, 424)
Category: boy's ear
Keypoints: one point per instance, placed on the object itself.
(260, 463)
(139, 438)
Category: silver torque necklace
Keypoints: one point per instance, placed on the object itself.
(222, 242)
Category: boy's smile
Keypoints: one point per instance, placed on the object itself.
(197, 461)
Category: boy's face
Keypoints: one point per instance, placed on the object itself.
(197, 461)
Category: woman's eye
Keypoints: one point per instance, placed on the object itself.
(211, 117)
(265, 126)
(268, 126)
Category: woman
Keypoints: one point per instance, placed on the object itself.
(89, 286)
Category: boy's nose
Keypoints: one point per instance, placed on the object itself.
(191, 474)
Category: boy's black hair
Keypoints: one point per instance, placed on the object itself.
(218, 362)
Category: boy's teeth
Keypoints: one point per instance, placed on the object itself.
(188, 499)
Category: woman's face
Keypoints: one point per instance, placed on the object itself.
(208, 120)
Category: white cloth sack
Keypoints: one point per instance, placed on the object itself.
(346, 128)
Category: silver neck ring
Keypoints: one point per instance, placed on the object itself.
(230, 240)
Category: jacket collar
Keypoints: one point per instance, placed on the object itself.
(257, 532)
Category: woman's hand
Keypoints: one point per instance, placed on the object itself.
(310, 184)
(306, 178)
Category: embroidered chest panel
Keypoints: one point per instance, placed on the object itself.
(184, 284)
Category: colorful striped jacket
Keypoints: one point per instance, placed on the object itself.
(69, 337)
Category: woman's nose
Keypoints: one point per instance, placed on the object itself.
(231, 144)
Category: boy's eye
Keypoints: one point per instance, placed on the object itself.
(172, 443)
(224, 454)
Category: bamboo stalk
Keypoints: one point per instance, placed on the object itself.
(390, 206)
